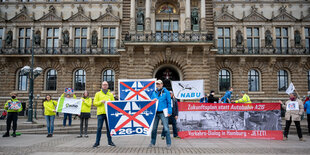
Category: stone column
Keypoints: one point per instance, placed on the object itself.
(117, 37)
(147, 16)
(203, 15)
(187, 15)
(132, 16)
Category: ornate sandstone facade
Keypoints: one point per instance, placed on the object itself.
(256, 46)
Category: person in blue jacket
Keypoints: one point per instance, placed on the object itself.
(162, 95)
(227, 96)
(204, 99)
(307, 108)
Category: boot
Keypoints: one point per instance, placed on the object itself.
(6, 134)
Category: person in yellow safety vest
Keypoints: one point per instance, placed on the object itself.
(85, 113)
(245, 98)
(49, 112)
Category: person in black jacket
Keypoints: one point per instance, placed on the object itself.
(173, 118)
(212, 99)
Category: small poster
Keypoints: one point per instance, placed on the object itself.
(293, 105)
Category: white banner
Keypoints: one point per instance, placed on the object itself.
(69, 105)
(188, 89)
(293, 105)
(290, 89)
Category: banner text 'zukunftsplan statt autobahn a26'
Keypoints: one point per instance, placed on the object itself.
(208, 120)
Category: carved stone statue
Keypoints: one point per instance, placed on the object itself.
(195, 17)
(9, 38)
(140, 17)
(297, 38)
(94, 38)
(37, 38)
(268, 38)
(239, 38)
(65, 38)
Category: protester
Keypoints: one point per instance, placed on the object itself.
(227, 96)
(161, 95)
(13, 106)
(67, 115)
(85, 113)
(293, 115)
(204, 99)
(307, 98)
(307, 109)
(211, 98)
(173, 118)
(49, 112)
(99, 101)
(245, 98)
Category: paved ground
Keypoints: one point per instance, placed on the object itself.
(69, 144)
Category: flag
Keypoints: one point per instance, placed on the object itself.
(188, 89)
(69, 105)
(290, 89)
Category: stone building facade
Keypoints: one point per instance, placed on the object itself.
(256, 46)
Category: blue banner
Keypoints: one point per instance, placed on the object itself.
(133, 90)
(131, 117)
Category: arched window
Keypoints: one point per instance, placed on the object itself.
(51, 80)
(253, 80)
(309, 80)
(282, 80)
(224, 79)
(108, 75)
(22, 84)
(79, 80)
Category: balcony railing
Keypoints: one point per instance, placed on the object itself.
(263, 51)
(169, 37)
(60, 51)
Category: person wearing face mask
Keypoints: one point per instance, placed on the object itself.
(13, 106)
(49, 112)
(211, 97)
(85, 114)
(162, 95)
(294, 109)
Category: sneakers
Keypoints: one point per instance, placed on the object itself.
(79, 136)
(301, 139)
(284, 138)
(111, 144)
(49, 135)
(86, 136)
(177, 137)
(168, 147)
(151, 145)
(95, 145)
(162, 137)
(6, 135)
(14, 134)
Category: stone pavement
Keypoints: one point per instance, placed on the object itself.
(68, 145)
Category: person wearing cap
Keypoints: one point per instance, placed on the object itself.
(13, 107)
(294, 109)
(227, 96)
(162, 96)
(99, 101)
(211, 97)
(68, 94)
(245, 98)
(173, 118)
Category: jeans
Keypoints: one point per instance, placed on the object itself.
(166, 128)
(50, 124)
(65, 119)
(174, 127)
(308, 119)
(12, 117)
(287, 128)
(81, 126)
(101, 118)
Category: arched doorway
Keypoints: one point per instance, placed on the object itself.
(167, 73)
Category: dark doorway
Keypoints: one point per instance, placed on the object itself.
(167, 74)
